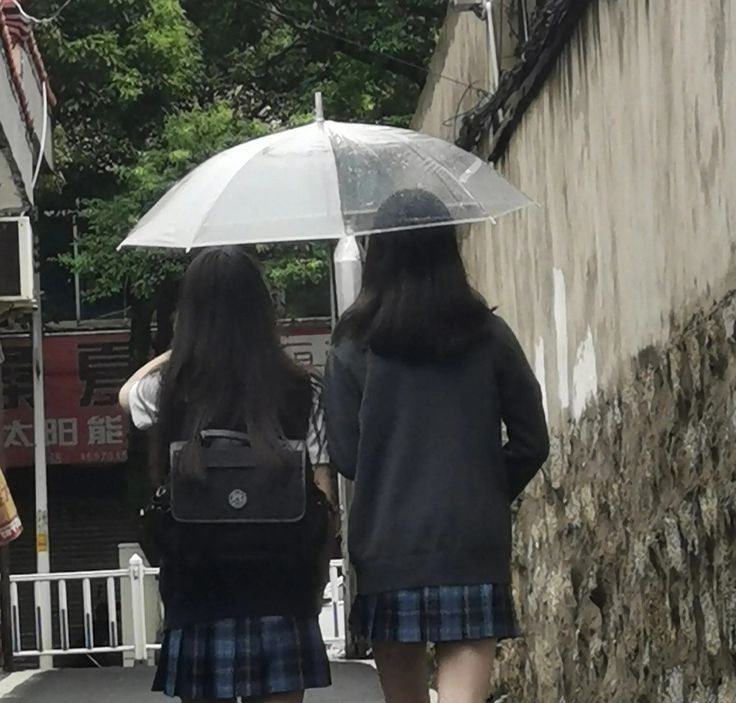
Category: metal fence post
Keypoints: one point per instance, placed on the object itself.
(138, 602)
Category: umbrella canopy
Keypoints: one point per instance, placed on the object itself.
(325, 180)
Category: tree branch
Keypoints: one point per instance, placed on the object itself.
(275, 59)
(352, 48)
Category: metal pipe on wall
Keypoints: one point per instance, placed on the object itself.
(493, 68)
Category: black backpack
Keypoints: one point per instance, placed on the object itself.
(239, 512)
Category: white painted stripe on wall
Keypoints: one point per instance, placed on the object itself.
(584, 375)
(541, 373)
(560, 311)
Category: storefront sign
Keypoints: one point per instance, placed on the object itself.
(83, 374)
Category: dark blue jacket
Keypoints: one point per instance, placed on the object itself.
(434, 480)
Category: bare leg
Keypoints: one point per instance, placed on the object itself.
(465, 670)
(404, 671)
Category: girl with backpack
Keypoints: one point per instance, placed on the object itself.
(421, 379)
(244, 512)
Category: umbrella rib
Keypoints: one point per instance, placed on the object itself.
(209, 210)
(429, 225)
(445, 170)
(325, 129)
(192, 243)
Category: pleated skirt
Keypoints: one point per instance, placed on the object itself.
(436, 614)
(247, 657)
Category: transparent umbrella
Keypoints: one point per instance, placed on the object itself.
(325, 180)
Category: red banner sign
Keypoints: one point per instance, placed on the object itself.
(83, 373)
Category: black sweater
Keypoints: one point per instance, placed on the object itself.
(423, 445)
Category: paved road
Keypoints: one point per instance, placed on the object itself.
(353, 683)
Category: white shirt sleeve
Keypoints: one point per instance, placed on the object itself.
(143, 401)
(317, 433)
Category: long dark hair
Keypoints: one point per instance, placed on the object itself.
(228, 369)
(416, 303)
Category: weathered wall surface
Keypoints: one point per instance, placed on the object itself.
(619, 287)
(458, 67)
(629, 150)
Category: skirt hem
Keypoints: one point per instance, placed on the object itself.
(242, 657)
(436, 614)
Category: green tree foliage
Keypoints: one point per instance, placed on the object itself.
(150, 88)
(187, 138)
(118, 68)
(368, 58)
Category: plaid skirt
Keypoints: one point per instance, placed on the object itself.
(436, 614)
(245, 657)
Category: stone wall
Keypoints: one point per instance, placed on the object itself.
(625, 548)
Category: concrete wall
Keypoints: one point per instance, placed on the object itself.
(459, 68)
(629, 153)
(20, 140)
(16, 150)
(619, 287)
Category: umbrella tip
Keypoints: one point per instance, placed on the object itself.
(319, 112)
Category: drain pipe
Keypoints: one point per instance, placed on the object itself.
(483, 10)
(493, 69)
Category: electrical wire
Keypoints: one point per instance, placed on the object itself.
(36, 20)
(462, 114)
(294, 22)
(458, 115)
(44, 130)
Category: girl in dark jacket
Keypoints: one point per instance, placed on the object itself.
(246, 629)
(421, 380)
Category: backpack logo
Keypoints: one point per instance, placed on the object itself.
(237, 499)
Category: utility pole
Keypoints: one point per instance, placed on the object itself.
(77, 284)
(347, 279)
(74, 214)
(43, 564)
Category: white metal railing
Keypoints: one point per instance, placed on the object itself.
(135, 574)
(332, 617)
